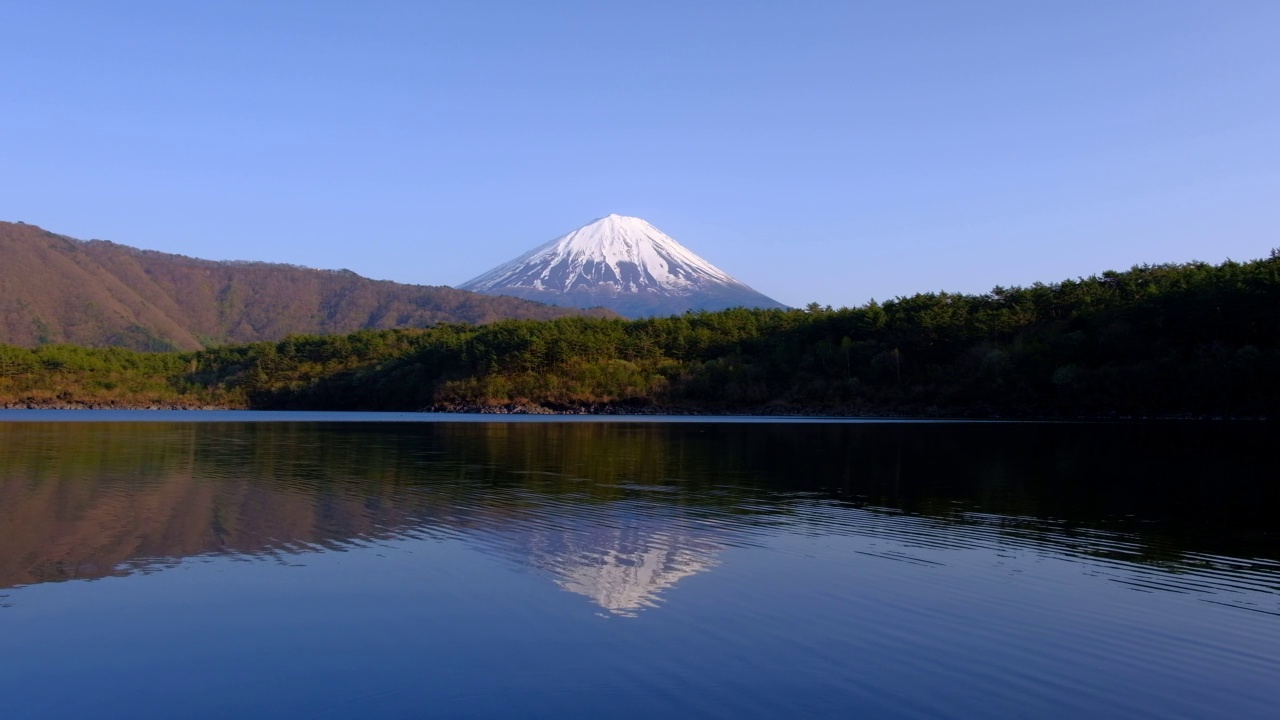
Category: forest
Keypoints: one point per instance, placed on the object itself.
(1191, 339)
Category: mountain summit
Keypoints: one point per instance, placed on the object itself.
(621, 263)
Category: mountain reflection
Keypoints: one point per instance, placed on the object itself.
(82, 501)
(621, 569)
(620, 513)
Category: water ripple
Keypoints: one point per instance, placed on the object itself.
(1013, 571)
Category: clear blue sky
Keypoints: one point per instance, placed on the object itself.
(828, 151)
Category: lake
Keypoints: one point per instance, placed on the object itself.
(296, 565)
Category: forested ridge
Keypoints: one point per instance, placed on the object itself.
(56, 289)
(1192, 338)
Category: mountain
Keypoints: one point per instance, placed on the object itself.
(621, 263)
(55, 289)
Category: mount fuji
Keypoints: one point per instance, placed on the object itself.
(621, 263)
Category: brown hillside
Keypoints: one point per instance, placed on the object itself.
(55, 289)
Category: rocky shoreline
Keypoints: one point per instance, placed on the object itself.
(783, 410)
(635, 409)
(41, 404)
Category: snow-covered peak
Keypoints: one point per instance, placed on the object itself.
(621, 263)
(627, 252)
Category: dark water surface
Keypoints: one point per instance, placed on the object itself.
(637, 569)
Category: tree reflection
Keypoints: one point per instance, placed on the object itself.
(616, 512)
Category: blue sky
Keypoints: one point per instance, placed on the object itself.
(819, 151)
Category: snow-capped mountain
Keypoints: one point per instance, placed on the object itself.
(621, 263)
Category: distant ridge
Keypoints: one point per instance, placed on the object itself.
(621, 263)
(56, 289)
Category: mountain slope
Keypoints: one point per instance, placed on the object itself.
(55, 289)
(621, 263)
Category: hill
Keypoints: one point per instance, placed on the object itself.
(56, 289)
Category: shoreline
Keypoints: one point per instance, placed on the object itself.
(811, 411)
(32, 404)
(634, 409)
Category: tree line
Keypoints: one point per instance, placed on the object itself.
(1191, 338)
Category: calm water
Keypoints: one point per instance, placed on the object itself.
(636, 569)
